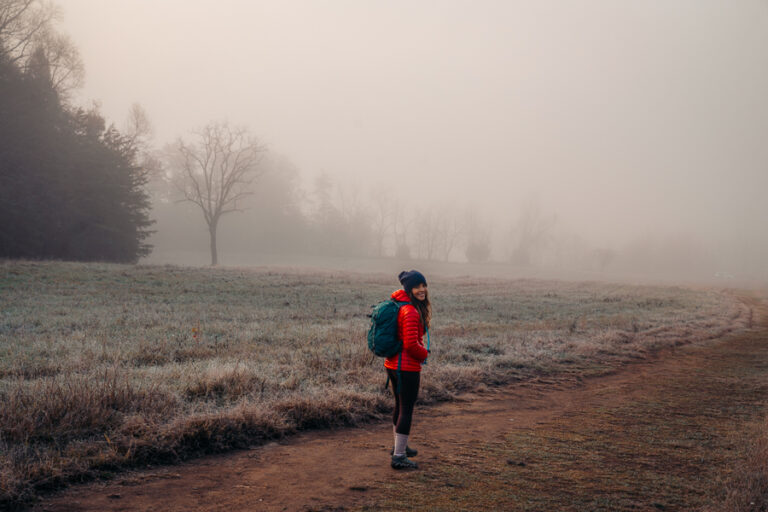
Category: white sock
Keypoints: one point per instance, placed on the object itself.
(401, 441)
(394, 434)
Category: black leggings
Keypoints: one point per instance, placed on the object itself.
(405, 400)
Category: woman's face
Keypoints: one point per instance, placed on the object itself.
(420, 291)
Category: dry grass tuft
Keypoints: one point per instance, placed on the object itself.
(747, 487)
(230, 383)
(347, 408)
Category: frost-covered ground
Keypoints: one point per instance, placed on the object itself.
(107, 366)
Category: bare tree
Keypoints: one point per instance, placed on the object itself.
(355, 215)
(138, 127)
(21, 23)
(139, 133)
(531, 234)
(478, 237)
(28, 38)
(65, 67)
(452, 228)
(438, 229)
(381, 222)
(217, 172)
(401, 227)
(428, 234)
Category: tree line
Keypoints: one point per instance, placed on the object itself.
(221, 170)
(71, 186)
(74, 187)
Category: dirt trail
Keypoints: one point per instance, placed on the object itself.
(348, 469)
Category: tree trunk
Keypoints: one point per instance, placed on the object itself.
(214, 254)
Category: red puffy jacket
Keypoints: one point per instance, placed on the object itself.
(410, 329)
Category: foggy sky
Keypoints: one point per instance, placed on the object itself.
(624, 118)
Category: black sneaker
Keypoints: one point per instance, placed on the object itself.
(408, 452)
(402, 462)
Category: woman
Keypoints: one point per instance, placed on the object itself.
(404, 368)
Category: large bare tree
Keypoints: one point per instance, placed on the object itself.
(217, 172)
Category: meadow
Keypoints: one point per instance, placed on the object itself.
(105, 367)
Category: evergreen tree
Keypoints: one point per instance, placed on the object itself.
(70, 187)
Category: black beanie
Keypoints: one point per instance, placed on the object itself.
(411, 278)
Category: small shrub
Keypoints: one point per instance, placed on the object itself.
(227, 383)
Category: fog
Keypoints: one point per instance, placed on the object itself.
(633, 129)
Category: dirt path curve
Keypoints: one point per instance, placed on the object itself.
(348, 469)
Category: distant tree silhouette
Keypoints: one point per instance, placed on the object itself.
(477, 236)
(531, 234)
(381, 223)
(216, 172)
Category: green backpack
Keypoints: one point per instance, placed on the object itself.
(382, 335)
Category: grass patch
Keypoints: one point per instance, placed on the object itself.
(109, 366)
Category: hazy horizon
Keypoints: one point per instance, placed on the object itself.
(623, 121)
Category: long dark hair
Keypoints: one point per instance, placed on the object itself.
(424, 307)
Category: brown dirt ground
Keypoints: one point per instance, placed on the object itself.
(660, 434)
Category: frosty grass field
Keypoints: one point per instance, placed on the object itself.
(110, 366)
